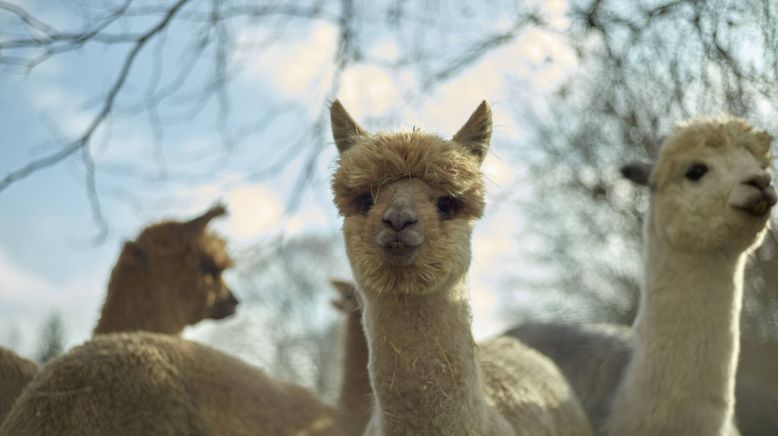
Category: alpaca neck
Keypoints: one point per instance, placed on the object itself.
(131, 305)
(423, 366)
(686, 344)
(355, 400)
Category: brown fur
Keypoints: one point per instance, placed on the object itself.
(168, 278)
(155, 384)
(426, 372)
(355, 401)
(15, 373)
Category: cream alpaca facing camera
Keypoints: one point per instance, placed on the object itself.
(709, 207)
(409, 202)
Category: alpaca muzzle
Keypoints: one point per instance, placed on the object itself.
(224, 307)
(400, 235)
(759, 196)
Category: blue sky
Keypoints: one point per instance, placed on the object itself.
(47, 255)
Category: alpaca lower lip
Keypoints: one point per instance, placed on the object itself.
(758, 210)
(400, 253)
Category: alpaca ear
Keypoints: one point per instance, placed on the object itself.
(199, 223)
(344, 129)
(133, 250)
(638, 172)
(477, 131)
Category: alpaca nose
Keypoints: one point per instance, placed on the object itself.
(401, 213)
(759, 181)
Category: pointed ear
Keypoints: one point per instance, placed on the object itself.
(133, 250)
(477, 131)
(199, 223)
(638, 172)
(344, 129)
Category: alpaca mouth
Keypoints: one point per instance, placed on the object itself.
(761, 205)
(400, 248)
(400, 253)
(224, 308)
(759, 209)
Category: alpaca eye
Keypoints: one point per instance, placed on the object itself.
(447, 207)
(208, 267)
(364, 203)
(696, 171)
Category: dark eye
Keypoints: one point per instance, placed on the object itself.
(447, 207)
(210, 268)
(364, 203)
(696, 171)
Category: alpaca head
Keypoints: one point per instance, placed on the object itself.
(710, 187)
(409, 201)
(183, 263)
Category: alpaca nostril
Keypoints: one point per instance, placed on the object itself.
(398, 220)
(759, 181)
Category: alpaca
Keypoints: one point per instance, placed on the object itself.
(15, 373)
(409, 202)
(150, 383)
(168, 278)
(355, 401)
(709, 206)
(593, 357)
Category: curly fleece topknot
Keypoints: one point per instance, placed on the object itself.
(381, 159)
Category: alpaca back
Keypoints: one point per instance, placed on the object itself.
(15, 373)
(153, 384)
(592, 358)
(529, 391)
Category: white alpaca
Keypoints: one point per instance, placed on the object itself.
(593, 357)
(709, 207)
(409, 202)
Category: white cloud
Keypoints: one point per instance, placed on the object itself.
(493, 249)
(62, 108)
(368, 90)
(254, 210)
(27, 300)
(299, 68)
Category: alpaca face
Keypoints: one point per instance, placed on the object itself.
(409, 201)
(184, 264)
(711, 187)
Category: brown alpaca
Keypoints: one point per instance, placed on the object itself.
(147, 383)
(409, 202)
(15, 373)
(355, 401)
(168, 278)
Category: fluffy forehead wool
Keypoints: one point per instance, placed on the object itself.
(378, 160)
(695, 136)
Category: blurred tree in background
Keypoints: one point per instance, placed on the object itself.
(644, 66)
(52, 338)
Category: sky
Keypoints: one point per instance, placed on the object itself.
(49, 260)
